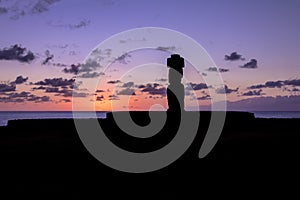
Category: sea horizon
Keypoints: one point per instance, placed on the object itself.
(6, 116)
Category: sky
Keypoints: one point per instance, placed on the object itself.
(44, 46)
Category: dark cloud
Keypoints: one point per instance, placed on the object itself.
(100, 98)
(80, 24)
(215, 69)
(88, 66)
(99, 91)
(48, 58)
(205, 97)
(154, 89)
(126, 91)
(56, 82)
(253, 93)
(17, 53)
(65, 100)
(52, 90)
(19, 9)
(113, 97)
(277, 84)
(196, 86)
(114, 82)
(234, 56)
(252, 64)
(38, 88)
(23, 97)
(3, 10)
(123, 58)
(162, 80)
(7, 87)
(128, 84)
(91, 75)
(167, 49)
(42, 6)
(222, 70)
(73, 69)
(226, 90)
(20, 80)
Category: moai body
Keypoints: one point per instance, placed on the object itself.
(175, 90)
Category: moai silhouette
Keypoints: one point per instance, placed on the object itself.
(175, 90)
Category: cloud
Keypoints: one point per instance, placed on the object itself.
(214, 69)
(18, 9)
(73, 69)
(161, 80)
(99, 91)
(100, 98)
(4, 87)
(252, 64)
(49, 57)
(113, 97)
(52, 90)
(82, 23)
(253, 93)
(114, 82)
(17, 53)
(126, 91)
(3, 10)
(56, 82)
(23, 97)
(167, 49)
(128, 84)
(226, 90)
(91, 75)
(276, 84)
(20, 80)
(88, 66)
(234, 56)
(205, 97)
(196, 86)
(123, 58)
(38, 88)
(153, 89)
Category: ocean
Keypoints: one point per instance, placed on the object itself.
(5, 116)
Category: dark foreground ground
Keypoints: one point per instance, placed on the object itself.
(46, 158)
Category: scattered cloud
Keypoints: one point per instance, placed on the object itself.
(56, 82)
(73, 69)
(48, 58)
(215, 69)
(17, 53)
(82, 23)
(7, 87)
(167, 49)
(252, 64)
(23, 97)
(113, 82)
(234, 56)
(277, 84)
(153, 89)
(196, 86)
(161, 80)
(123, 58)
(253, 93)
(91, 75)
(226, 90)
(113, 97)
(128, 84)
(100, 98)
(99, 91)
(205, 97)
(126, 91)
(20, 80)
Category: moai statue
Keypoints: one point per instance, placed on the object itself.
(175, 91)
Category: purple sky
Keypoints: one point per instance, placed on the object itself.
(265, 33)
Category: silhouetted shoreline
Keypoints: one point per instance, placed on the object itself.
(47, 154)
